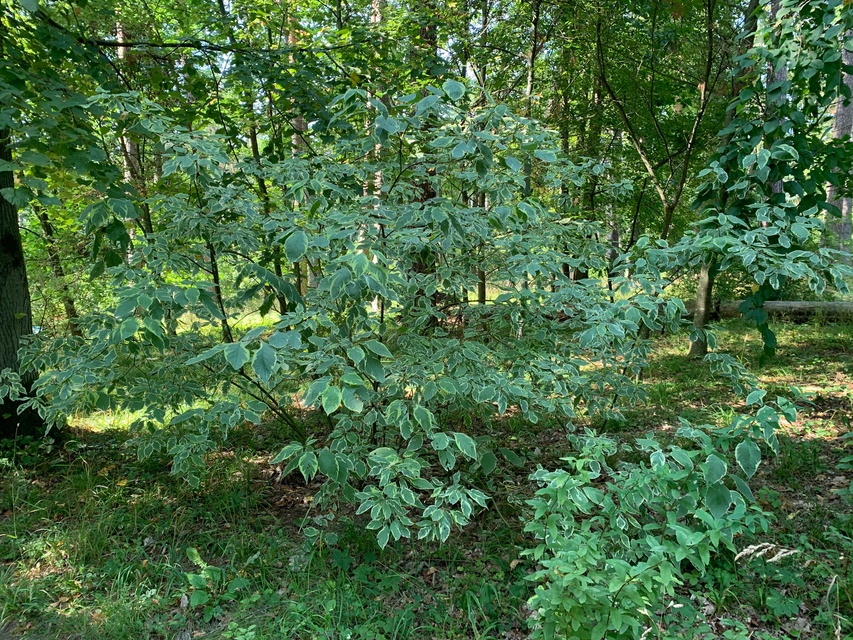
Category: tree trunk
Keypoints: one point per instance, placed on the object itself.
(227, 334)
(704, 302)
(668, 210)
(265, 201)
(15, 311)
(55, 261)
(480, 200)
(704, 293)
(536, 6)
(840, 229)
(134, 173)
(777, 75)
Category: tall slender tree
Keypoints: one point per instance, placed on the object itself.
(840, 226)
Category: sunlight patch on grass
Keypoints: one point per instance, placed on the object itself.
(102, 421)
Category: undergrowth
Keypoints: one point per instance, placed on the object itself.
(96, 544)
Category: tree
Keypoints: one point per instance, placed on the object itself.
(44, 121)
(655, 110)
(229, 203)
(766, 190)
(840, 223)
(16, 319)
(15, 307)
(708, 270)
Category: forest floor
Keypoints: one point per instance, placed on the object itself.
(94, 543)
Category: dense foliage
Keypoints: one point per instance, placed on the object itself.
(291, 221)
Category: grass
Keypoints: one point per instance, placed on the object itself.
(95, 544)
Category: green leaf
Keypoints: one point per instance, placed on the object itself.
(801, 231)
(295, 246)
(30, 5)
(195, 557)
(352, 401)
(440, 441)
(29, 156)
(126, 307)
(442, 142)
(513, 163)
(382, 536)
(681, 457)
(236, 355)
(742, 487)
(715, 469)
(331, 399)
(288, 452)
(780, 150)
(199, 598)
(103, 402)
(546, 155)
(19, 197)
(264, 362)
(285, 340)
(128, 328)
(352, 379)
(748, 457)
(378, 348)
(512, 457)
(197, 581)
(755, 396)
(374, 369)
(718, 499)
(314, 390)
(236, 584)
(391, 125)
(308, 465)
(488, 461)
(356, 354)
(453, 89)
(124, 208)
(448, 386)
(466, 444)
(427, 103)
(331, 466)
(424, 417)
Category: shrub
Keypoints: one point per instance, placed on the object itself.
(616, 539)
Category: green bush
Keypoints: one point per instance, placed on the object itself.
(617, 541)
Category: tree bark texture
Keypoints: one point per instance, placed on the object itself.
(841, 228)
(704, 303)
(15, 310)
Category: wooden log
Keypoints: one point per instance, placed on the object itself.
(797, 311)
